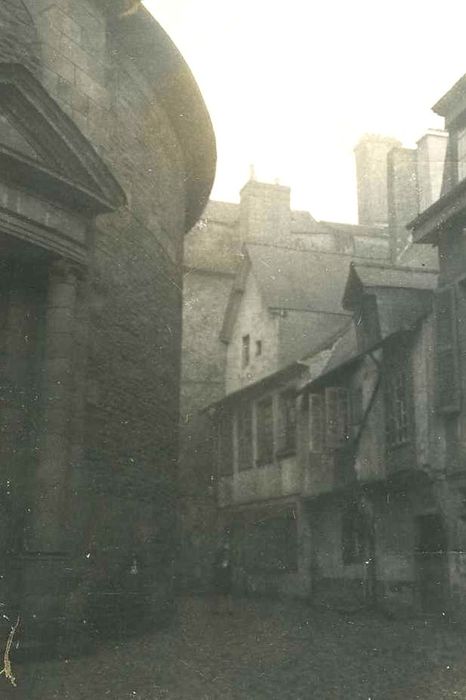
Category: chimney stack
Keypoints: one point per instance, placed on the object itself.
(431, 151)
(265, 212)
(403, 196)
(371, 171)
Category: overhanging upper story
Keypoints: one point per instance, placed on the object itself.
(448, 213)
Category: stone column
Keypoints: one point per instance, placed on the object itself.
(44, 565)
(53, 463)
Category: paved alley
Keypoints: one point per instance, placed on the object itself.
(263, 650)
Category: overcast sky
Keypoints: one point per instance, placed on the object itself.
(291, 86)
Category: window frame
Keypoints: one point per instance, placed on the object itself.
(398, 408)
(245, 350)
(244, 417)
(266, 456)
(287, 431)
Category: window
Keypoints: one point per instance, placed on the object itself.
(225, 443)
(258, 348)
(245, 357)
(398, 423)
(353, 535)
(329, 419)
(316, 422)
(461, 153)
(264, 424)
(357, 406)
(337, 416)
(447, 369)
(244, 422)
(287, 422)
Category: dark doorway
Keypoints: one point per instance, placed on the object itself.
(431, 562)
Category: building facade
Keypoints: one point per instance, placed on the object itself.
(107, 162)
(330, 457)
(442, 225)
(216, 264)
(326, 471)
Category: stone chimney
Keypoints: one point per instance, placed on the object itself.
(402, 196)
(431, 151)
(265, 212)
(371, 171)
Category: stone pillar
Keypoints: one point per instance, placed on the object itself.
(45, 564)
(51, 478)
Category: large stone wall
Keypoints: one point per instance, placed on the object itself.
(124, 394)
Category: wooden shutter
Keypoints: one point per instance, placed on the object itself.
(343, 414)
(244, 423)
(264, 426)
(337, 416)
(225, 443)
(316, 422)
(447, 368)
(286, 421)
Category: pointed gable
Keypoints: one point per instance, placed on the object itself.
(387, 299)
(43, 151)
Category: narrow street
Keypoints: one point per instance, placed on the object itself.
(265, 649)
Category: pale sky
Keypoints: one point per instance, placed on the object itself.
(291, 86)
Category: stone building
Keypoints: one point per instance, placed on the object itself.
(373, 501)
(442, 225)
(326, 467)
(253, 338)
(215, 264)
(107, 159)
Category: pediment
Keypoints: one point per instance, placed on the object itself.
(13, 140)
(42, 149)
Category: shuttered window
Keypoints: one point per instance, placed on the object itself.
(337, 416)
(264, 424)
(244, 423)
(225, 443)
(447, 368)
(316, 422)
(398, 404)
(286, 422)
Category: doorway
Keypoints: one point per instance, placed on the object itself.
(431, 562)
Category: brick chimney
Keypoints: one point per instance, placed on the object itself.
(265, 212)
(371, 171)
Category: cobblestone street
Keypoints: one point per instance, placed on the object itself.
(263, 650)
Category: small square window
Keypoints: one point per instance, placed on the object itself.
(245, 356)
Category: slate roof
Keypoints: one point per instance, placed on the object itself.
(373, 275)
(303, 333)
(420, 255)
(299, 280)
(345, 350)
(378, 275)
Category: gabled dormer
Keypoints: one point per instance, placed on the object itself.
(386, 300)
(285, 304)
